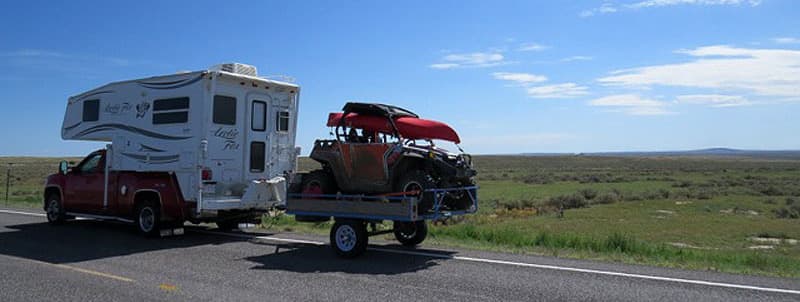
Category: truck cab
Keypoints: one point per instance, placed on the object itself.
(151, 200)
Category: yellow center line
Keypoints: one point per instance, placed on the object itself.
(75, 269)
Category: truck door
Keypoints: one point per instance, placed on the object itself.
(85, 185)
(257, 140)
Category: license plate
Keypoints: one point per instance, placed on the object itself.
(209, 189)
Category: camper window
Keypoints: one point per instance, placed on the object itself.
(283, 121)
(259, 116)
(91, 110)
(171, 111)
(224, 110)
(257, 156)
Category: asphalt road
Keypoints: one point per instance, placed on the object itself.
(90, 260)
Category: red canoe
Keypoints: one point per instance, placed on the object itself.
(409, 127)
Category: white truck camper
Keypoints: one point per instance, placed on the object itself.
(227, 134)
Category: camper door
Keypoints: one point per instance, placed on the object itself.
(257, 140)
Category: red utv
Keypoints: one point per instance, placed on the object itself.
(382, 149)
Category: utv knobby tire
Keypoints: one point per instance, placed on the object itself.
(417, 180)
(318, 182)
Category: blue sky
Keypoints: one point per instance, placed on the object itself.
(510, 76)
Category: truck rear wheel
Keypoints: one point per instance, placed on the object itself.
(410, 233)
(55, 212)
(349, 238)
(148, 219)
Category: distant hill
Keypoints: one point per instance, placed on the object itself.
(710, 152)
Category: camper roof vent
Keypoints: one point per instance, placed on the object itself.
(237, 68)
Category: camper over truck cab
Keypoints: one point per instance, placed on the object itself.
(211, 145)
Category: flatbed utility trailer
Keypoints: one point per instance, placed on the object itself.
(354, 215)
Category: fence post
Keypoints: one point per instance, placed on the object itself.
(8, 180)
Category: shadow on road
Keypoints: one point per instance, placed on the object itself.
(84, 240)
(321, 259)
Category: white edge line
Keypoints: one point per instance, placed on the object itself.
(503, 262)
(23, 213)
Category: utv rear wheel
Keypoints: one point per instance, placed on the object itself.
(227, 225)
(318, 182)
(349, 238)
(417, 181)
(148, 219)
(410, 233)
(55, 212)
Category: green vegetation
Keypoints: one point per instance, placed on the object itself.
(727, 214)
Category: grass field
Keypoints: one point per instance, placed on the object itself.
(726, 214)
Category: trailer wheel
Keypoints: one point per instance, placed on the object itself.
(55, 212)
(410, 233)
(148, 219)
(349, 238)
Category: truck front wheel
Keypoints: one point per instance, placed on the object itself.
(55, 212)
(148, 219)
(349, 238)
(410, 233)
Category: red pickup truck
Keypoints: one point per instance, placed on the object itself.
(150, 200)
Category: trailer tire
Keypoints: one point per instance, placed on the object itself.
(349, 238)
(410, 233)
(55, 210)
(148, 219)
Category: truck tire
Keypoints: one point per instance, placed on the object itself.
(55, 211)
(417, 180)
(318, 182)
(349, 238)
(148, 219)
(410, 233)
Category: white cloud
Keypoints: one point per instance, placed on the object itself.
(519, 78)
(608, 8)
(662, 3)
(632, 104)
(713, 100)
(475, 59)
(576, 58)
(786, 40)
(557, 91)
(531, 47)
(767, 72)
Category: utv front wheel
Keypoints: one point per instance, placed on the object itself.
(410, 233)
(417, 181)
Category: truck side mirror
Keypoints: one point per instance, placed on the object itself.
(63, 167)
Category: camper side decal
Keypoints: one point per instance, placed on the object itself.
(132, 129)
(157, 159)
(171, 84)
(230, 136)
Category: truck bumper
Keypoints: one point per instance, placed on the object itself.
(259, 195)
